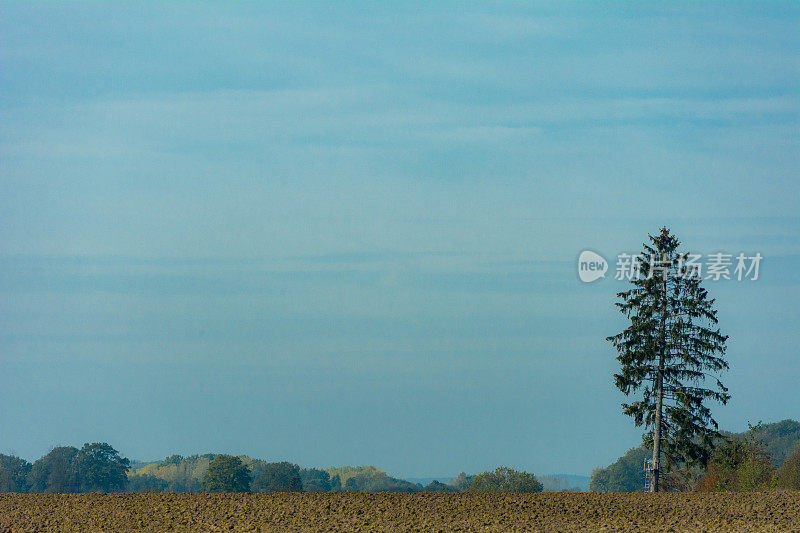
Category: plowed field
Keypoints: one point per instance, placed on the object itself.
(779, 511)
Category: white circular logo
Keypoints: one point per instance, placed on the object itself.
(591, 266)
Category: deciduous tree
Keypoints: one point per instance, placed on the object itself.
(279, 477)
(55, 472)
(226, 473)
(504, 479)
(101, 468)
(13, 473)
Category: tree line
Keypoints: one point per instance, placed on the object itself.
(230, 474)
(98, 467)
(766, 457)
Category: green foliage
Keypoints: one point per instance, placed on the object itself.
(96, 467)
(370, 479)
(147, 483)
(100, 468)
(385, 483)
(504, 479)
(435, 486)
(171, 460)
(226, 473)
(379, 483)
(624, 475)
(315, 480)
(461, 482)
(789, 473)
(739, 464)
(55, 472)
(672, 345)
(279, 477)
(346, 472)
(184, 475)
(13, 474)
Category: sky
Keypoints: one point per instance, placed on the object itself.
(347, 233)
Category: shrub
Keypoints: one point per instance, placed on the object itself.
(504, 479)
(739, 464)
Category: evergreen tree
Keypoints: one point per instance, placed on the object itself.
(669, 353)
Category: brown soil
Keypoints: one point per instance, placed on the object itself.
(777, 511)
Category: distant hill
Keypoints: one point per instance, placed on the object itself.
(778, 438)
(626, 474)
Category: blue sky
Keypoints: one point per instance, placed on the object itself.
(347, 233)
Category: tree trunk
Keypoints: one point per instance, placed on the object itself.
(659, 386)
(657, 429)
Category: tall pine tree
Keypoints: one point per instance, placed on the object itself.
(671, 354)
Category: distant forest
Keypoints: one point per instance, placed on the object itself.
(763, 458)
(98, 467)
